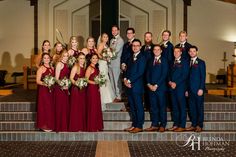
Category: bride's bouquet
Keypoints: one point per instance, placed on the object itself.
(65, 83)
(81, 83)
(100, 79)
(49, 81)
(71, 61)
(108, 54)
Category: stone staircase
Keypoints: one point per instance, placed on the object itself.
(17, 123)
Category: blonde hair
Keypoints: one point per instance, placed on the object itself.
(62, 54)
(71, 39)
(183, 32)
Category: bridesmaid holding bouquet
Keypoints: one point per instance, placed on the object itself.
(45, 105)
(62, 93)
(94, 111)
(78, 96)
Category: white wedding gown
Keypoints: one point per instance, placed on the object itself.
(106, 91)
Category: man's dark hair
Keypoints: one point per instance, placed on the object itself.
(130, 29)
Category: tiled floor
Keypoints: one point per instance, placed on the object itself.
(115, 149)
(48, 149)
(172, 149)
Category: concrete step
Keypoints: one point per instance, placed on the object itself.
(31, 106)
(118, 125)
(117, 115)
(114, 136)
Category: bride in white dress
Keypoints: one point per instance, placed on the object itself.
(106, 91)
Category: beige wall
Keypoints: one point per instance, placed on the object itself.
(211, 26)
(16, 35)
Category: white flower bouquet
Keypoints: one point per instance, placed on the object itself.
(100, 79)
(108, 54)
(71, 61)
(49, 81)
(81, 83)
(65, 83)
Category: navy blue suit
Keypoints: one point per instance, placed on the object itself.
(185, 50)
(147, 51)
(179, 74)
(156, 75)
(197, 78)
(126, 53)
(135, 73)
(168, 52)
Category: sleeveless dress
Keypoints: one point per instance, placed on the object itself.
(89, 55)
(76, 53)
(94, 112)
(78, 106)
(61, 100)
(45, 105)
(106, 91)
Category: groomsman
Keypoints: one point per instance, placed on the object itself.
(148, 45)
(126, 54)
(157, 71)
(167, 47)
(147, 50)
(116, 44)
(196, 87)
(184, 44)
(127, 48)
(167, 52)
(133, 80)
(178, 84)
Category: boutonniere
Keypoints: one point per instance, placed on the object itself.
(196, 62)
(159, 61)
(165, 45)
(177, 61)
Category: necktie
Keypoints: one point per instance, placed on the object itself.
(191, 63)
(134, 57)
(155, 61)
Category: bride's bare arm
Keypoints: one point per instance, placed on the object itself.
(99, 50)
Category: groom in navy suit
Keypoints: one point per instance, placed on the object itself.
(178, 83)
(157, 71)
(133, 80)
(196, 87)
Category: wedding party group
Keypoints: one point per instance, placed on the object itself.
(75, 85)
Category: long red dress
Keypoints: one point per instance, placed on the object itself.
(45, 105)
(78, 106)
(62, 103)
(94, 111)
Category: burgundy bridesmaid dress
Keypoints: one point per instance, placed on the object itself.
(89, 55)
(45, 105)
(61, 100)
(94, 111)
(78, 106)
(76, 53)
